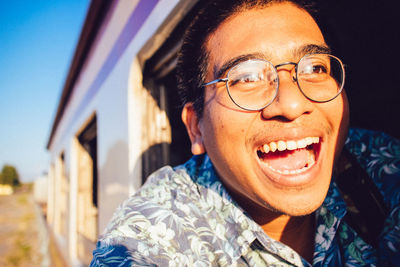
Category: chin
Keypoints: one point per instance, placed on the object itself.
(296, 208)
(297, 202)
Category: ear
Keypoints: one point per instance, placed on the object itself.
(191, 121)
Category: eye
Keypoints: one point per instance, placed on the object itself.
(319, 69)
(246, 78)
(314, 69)
(251, 77)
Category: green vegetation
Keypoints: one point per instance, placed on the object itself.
(9, 175)
(21, 253)
(22, 199)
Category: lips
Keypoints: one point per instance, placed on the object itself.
(289, 157)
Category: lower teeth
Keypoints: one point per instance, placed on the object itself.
(311, 162)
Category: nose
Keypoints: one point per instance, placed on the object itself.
(290, 103)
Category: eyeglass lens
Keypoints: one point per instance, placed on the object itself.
(253, 84)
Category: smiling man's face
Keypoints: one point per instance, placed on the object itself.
(293, 182)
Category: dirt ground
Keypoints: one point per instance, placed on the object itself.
(24, 239)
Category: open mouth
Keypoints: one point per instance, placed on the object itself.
(290, 157)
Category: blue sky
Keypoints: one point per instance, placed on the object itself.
(37, 43)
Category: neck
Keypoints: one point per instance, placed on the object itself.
(295, 231)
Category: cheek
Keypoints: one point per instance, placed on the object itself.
(218, 128)
(224, 133)
(346, 111)
(221, 117)
(343, 126)
(340, 116)
(336, 113)
(213, 129)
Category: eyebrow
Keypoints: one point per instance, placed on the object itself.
(312, 49)
(236, 60)
(297, 52)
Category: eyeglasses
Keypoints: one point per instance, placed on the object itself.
(253, 84)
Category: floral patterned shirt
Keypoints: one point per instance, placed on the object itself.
(184, 216)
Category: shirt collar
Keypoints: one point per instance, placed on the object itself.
(328, 216)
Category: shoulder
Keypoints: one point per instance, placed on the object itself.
(362, 142)
(147, 227)
(165, 193)
(378, 154)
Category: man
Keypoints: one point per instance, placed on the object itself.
(267, 118)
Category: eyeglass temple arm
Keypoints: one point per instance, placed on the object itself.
(216, 81)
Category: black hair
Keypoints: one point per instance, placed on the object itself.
(193, 56)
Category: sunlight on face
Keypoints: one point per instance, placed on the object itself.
(280, 158)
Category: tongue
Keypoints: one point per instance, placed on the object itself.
(288, 159)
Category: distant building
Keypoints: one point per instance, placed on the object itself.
(6, 189)
(40, 191)
(118, 118)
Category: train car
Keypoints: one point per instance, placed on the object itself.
(118, 118)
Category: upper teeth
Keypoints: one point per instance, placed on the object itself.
(289, 145)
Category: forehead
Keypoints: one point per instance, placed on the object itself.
(274, 31)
